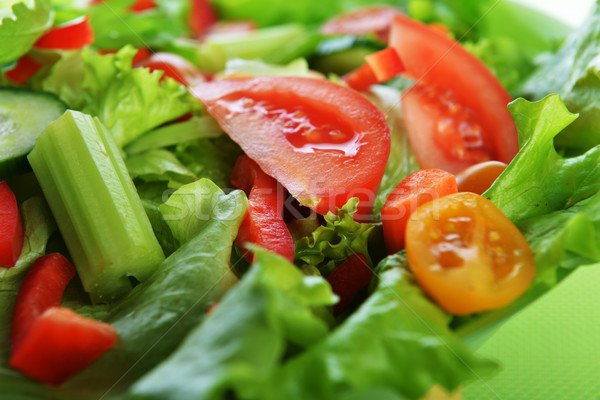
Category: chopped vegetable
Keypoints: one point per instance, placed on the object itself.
(380, 66)
(363, 21)
(24, 69)
(49, 343)
(85, 181)
(324, 143)
(263, 224)
(479, 177)
(467, 255)
(348, 279)
(69, 36)
(416, 189)
(11, 227)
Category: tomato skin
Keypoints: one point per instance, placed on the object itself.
(11, 228)
(263, 223)
(467, 255)
(173, 66)
(433, 59)
(363, 21)
(267, 116)
(418, 188)
(479, 177)
(72, 35)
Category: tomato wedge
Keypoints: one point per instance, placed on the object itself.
(371, 19)
(202, 17)
(457, 114)
(263, 223)
(323, 142)
(467, 255)
(72, 35)
(25, 68)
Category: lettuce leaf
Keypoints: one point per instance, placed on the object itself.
(21, 24)
(129, 101)
(398, 338)
(159, 165)
(574, 73)
(245, 339)
(334, 242)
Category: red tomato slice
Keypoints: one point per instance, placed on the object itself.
(142, 5)
(174, 66)
(26, 67)
(70, 36)
(461, 117)
(372, 19)
(323, 142)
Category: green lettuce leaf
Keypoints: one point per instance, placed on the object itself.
(334, 242)
(399, 339)
(539, 180)
(188, 209)
(116, 26)
(159, 165)
(21, 24)
(243, 341)
(574, 73)
(129, 101)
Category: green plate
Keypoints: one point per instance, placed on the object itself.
(551, 350)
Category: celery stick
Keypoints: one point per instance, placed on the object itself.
(95, 205)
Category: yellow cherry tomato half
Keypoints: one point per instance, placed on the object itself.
(467, 255)
(479, 177)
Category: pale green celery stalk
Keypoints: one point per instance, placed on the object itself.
(165, 136)
(95, 205)
(217, 49)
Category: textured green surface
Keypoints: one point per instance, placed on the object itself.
(551, 350)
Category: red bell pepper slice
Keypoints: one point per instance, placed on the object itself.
(349, 278)
(202, 17)
(263, 224)
(70, 36)
(380, 66)
(142, 5)
(50, 343)
(416, 189)
(26, 67)
(11, 228)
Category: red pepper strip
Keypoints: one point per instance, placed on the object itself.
(70, 36)
(26, 67)
(380, 66)
(50, 343)
(142, 5)
(385, 64)
(202, 17)
(263, 224)
(416, 189)
(11, 228)
(349, 278)
(61, 343)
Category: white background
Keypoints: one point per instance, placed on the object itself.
(570, 11)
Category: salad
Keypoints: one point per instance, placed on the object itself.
(262, 200)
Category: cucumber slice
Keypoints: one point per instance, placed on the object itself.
(24, 114)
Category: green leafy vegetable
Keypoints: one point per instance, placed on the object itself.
(159, 165)
(245, 339)
(398, 337)
(574, 73)
(331, 244)
(21, 24)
